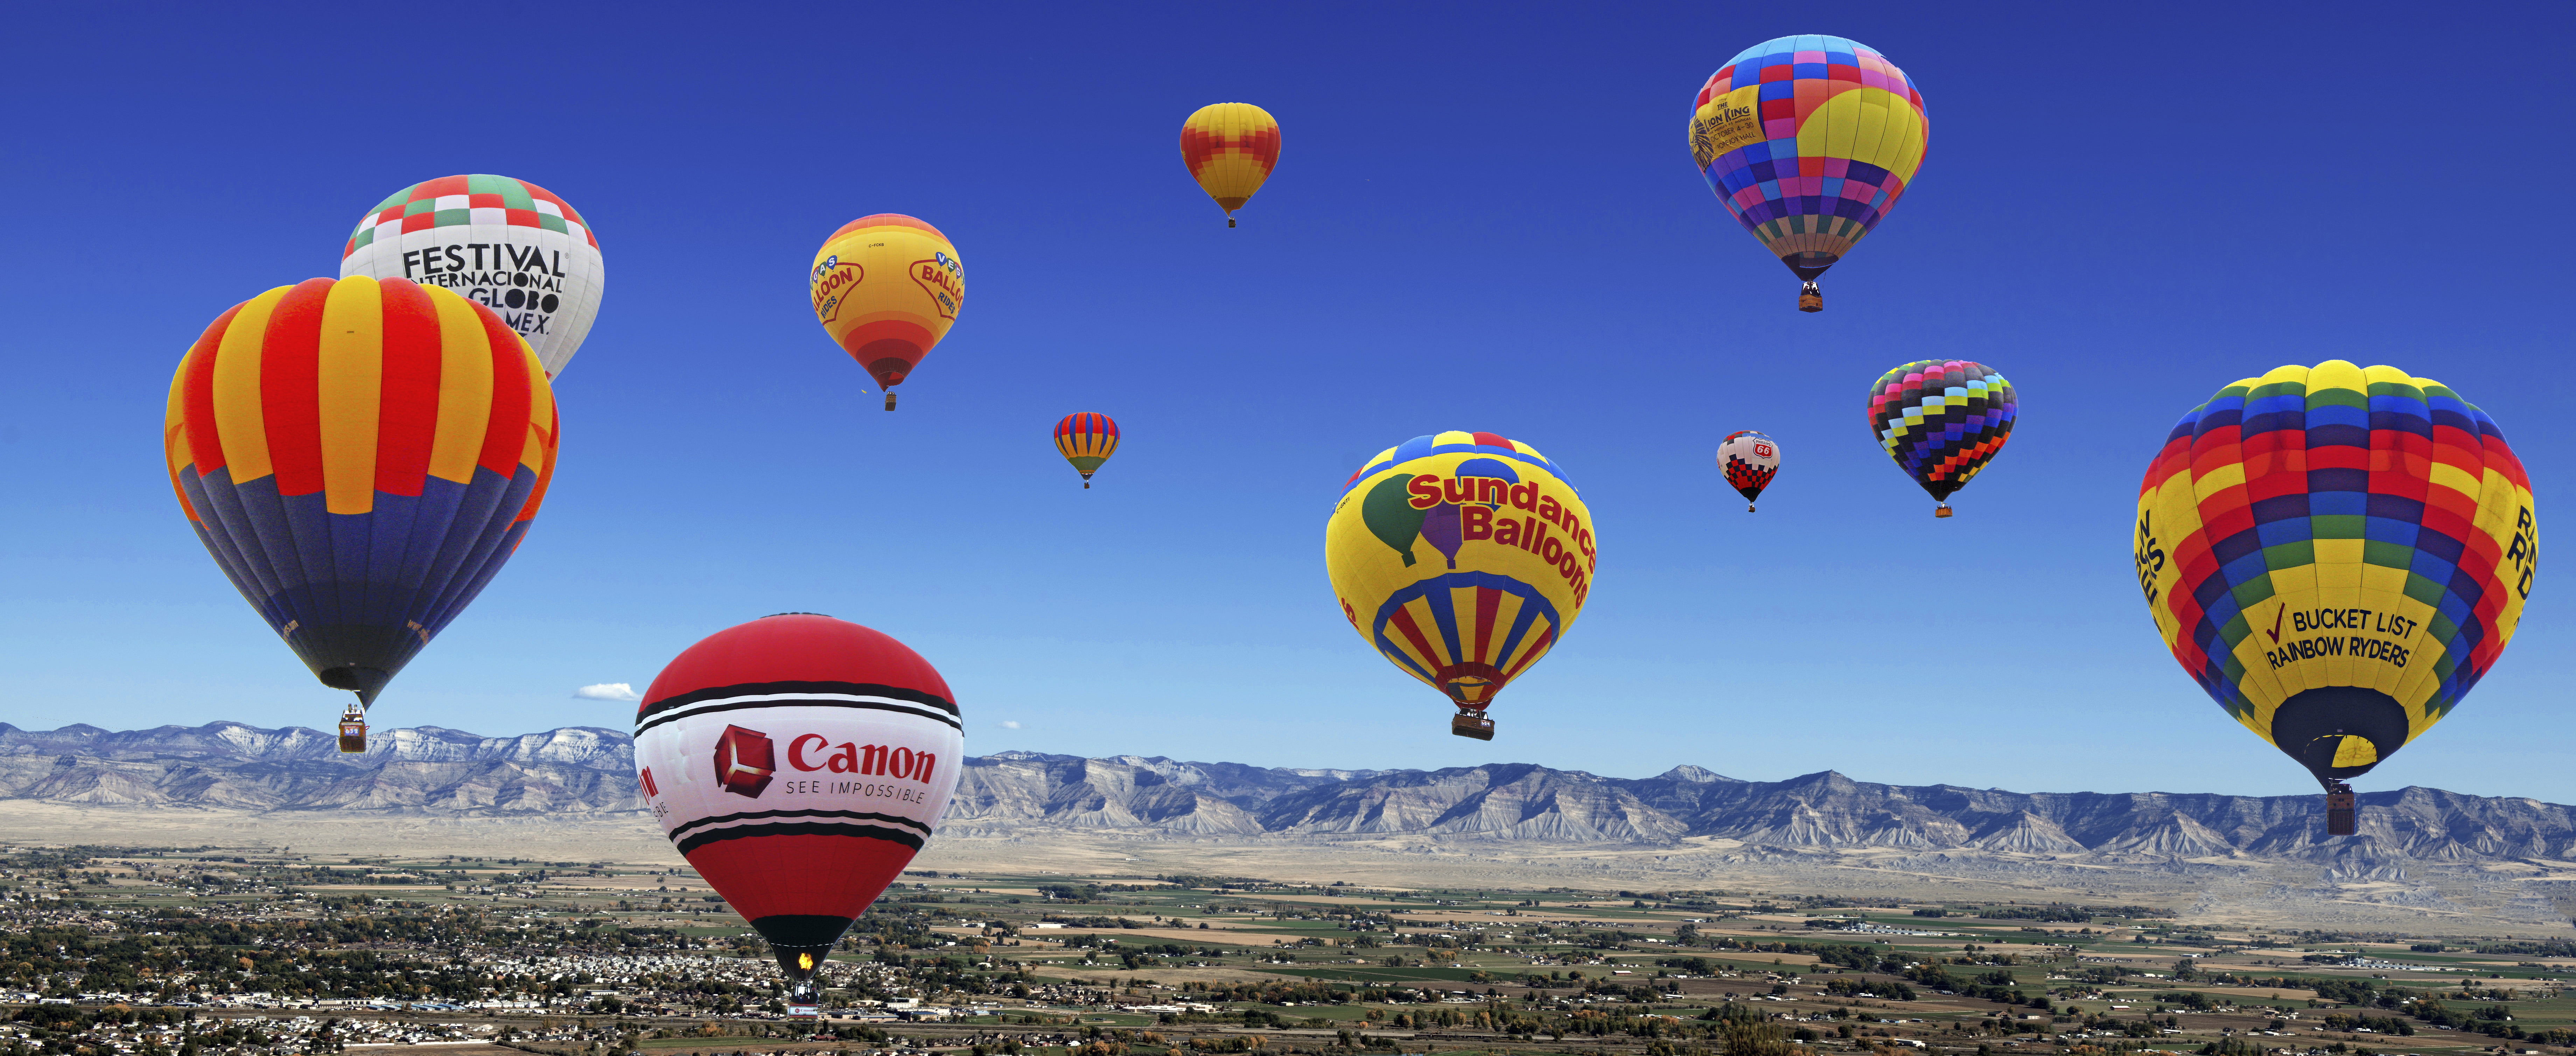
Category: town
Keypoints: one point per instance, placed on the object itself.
(241, 951)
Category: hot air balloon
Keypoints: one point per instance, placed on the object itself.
(1942, 420)
(508, 245)
(1230, 148)
(798, 762)
(1462, 558)
(1750, 460)
(1086, 440)
(360, 457)
(2337, 554)
(1809, 140)
(887, 287)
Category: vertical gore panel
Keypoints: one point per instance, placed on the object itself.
(289, 397)
(465, 382)
(546, 472)
(348, 381)
(408, 408)
(538, 453)
(505, 430)
(239, 425)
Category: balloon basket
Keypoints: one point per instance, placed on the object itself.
(1469, 724)
(1811, 299)
(1748, 507)
(2342, 816)
(353, 731)
(1942, 510)
(803, 1012)
(889, 401)
(1229, 221)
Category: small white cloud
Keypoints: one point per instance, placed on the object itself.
(608, 691)
(1011, 725)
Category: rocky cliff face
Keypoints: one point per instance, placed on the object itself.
(588, 770)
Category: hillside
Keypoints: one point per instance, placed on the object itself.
(588, 771)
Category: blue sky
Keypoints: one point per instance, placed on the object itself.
(1484, 217)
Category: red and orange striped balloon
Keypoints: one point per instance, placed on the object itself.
(1086, 440)
(360, 457)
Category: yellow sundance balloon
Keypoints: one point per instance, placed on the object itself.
(1462, 557)
(887, 287)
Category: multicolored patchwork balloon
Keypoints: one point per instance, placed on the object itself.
(798, 762)
(1230, 149)
(1462, 558)
(1086, 440)
(508, 245)
(1750, 460)
(2337, 554)
(1809, 140)
(360, 457)
(1942, 420)
(887, 287)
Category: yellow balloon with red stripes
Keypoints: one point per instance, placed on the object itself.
(360, 457)
(887, 287)
(1230, 149)
(1462, 558)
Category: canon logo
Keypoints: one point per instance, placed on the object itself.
(855, 758)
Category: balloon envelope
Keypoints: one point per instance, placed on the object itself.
(1230, 149)
(887, 287)
(1455, 573)
(1750, 460)
(508, 245)
(1809, 141)
(1942, 420)
(798, 762)
(2337, 554)
(360, 458)
(1086, 440)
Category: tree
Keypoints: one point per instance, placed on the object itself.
(1754, 1039)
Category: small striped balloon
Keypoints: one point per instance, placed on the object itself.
(1086, 440)
(360, 457)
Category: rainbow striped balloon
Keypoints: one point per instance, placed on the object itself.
(2337, 554)
(1086, 440)
(360, 457)
(1809, 140)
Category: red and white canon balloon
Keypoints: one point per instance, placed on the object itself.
(798, 762)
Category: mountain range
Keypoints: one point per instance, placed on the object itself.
(590, 771)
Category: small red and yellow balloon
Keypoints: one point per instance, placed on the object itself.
(1230, 149)
(1086, 439)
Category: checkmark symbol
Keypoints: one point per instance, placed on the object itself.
(2275, 632)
